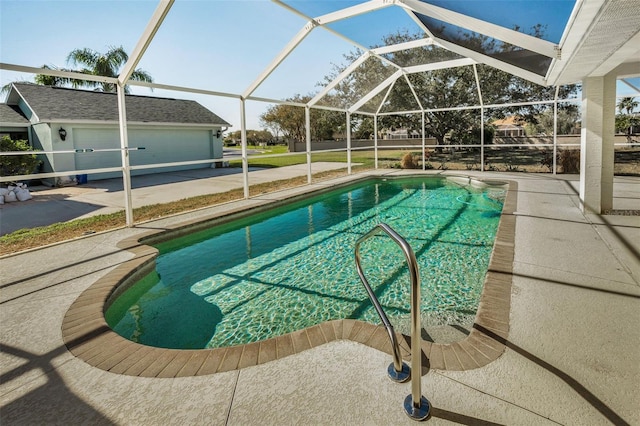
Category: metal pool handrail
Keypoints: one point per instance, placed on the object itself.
(416, 406)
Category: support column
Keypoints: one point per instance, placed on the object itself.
(597, 143)
(348, 142)
(375, 140)
(555, 131)
(124, 151)
(307, 123)
(482, 139)
(424, 155)
(243, 144)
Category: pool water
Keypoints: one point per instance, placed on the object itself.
(293, 267)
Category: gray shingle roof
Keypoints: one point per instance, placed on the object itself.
(61, 104)
(11, 114)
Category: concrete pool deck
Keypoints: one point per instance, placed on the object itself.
(572, 354)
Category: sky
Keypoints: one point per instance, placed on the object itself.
(218, 45)
(222, 46)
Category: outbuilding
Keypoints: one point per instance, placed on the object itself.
(83, 127)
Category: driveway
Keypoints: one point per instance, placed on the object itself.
(53, 205)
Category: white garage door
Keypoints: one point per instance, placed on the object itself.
(171, 145)
(161, 146)
(97, 139)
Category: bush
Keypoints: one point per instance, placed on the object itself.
(570, 161)
(472, 137)
(409, 161)
(547, 159)
(13, 165)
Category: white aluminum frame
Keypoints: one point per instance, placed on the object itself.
(583, 14)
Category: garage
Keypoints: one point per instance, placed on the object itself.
(160, 146)
(82, 124)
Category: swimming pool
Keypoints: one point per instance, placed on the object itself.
(292, 267)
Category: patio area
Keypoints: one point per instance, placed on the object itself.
(572, 354)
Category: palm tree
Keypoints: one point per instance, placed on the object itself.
(107, 64)
(627, 104)
(94, 63)
(43, 79)
(627, 121)
(52, 80)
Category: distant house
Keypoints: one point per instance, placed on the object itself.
(509, 127)
(62, 119)
(401, 133)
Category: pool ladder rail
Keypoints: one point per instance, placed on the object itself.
(416, 406)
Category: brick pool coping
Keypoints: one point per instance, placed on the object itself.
(88, 337)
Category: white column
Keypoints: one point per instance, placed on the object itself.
(608, 151)
(348, 142)
(243, 139)
(482, 139)
(124, 150)
(596, 143)
(307, 122)
(424, 157)
(555, 131)
(375, 140)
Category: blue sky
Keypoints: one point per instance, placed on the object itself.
(215, 45)
(219, 45)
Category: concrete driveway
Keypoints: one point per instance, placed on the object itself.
(53, 205)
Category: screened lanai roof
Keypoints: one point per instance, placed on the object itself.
(535, 40)
(457, 24)
(271, 50)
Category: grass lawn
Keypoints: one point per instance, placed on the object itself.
(364, 158)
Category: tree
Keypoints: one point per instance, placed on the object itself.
(443, 88)
(12, 165)
(289, 120)
(52, 80)
(94, 63)
(436, 89)
(627, 105)
(362, 127)
(107, 64)
(254, 137)
(567, 121)
(626, 120)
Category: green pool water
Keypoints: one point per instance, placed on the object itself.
(292, 267)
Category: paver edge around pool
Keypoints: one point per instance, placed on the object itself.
(88, 337)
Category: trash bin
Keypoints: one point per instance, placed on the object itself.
(81, 179)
